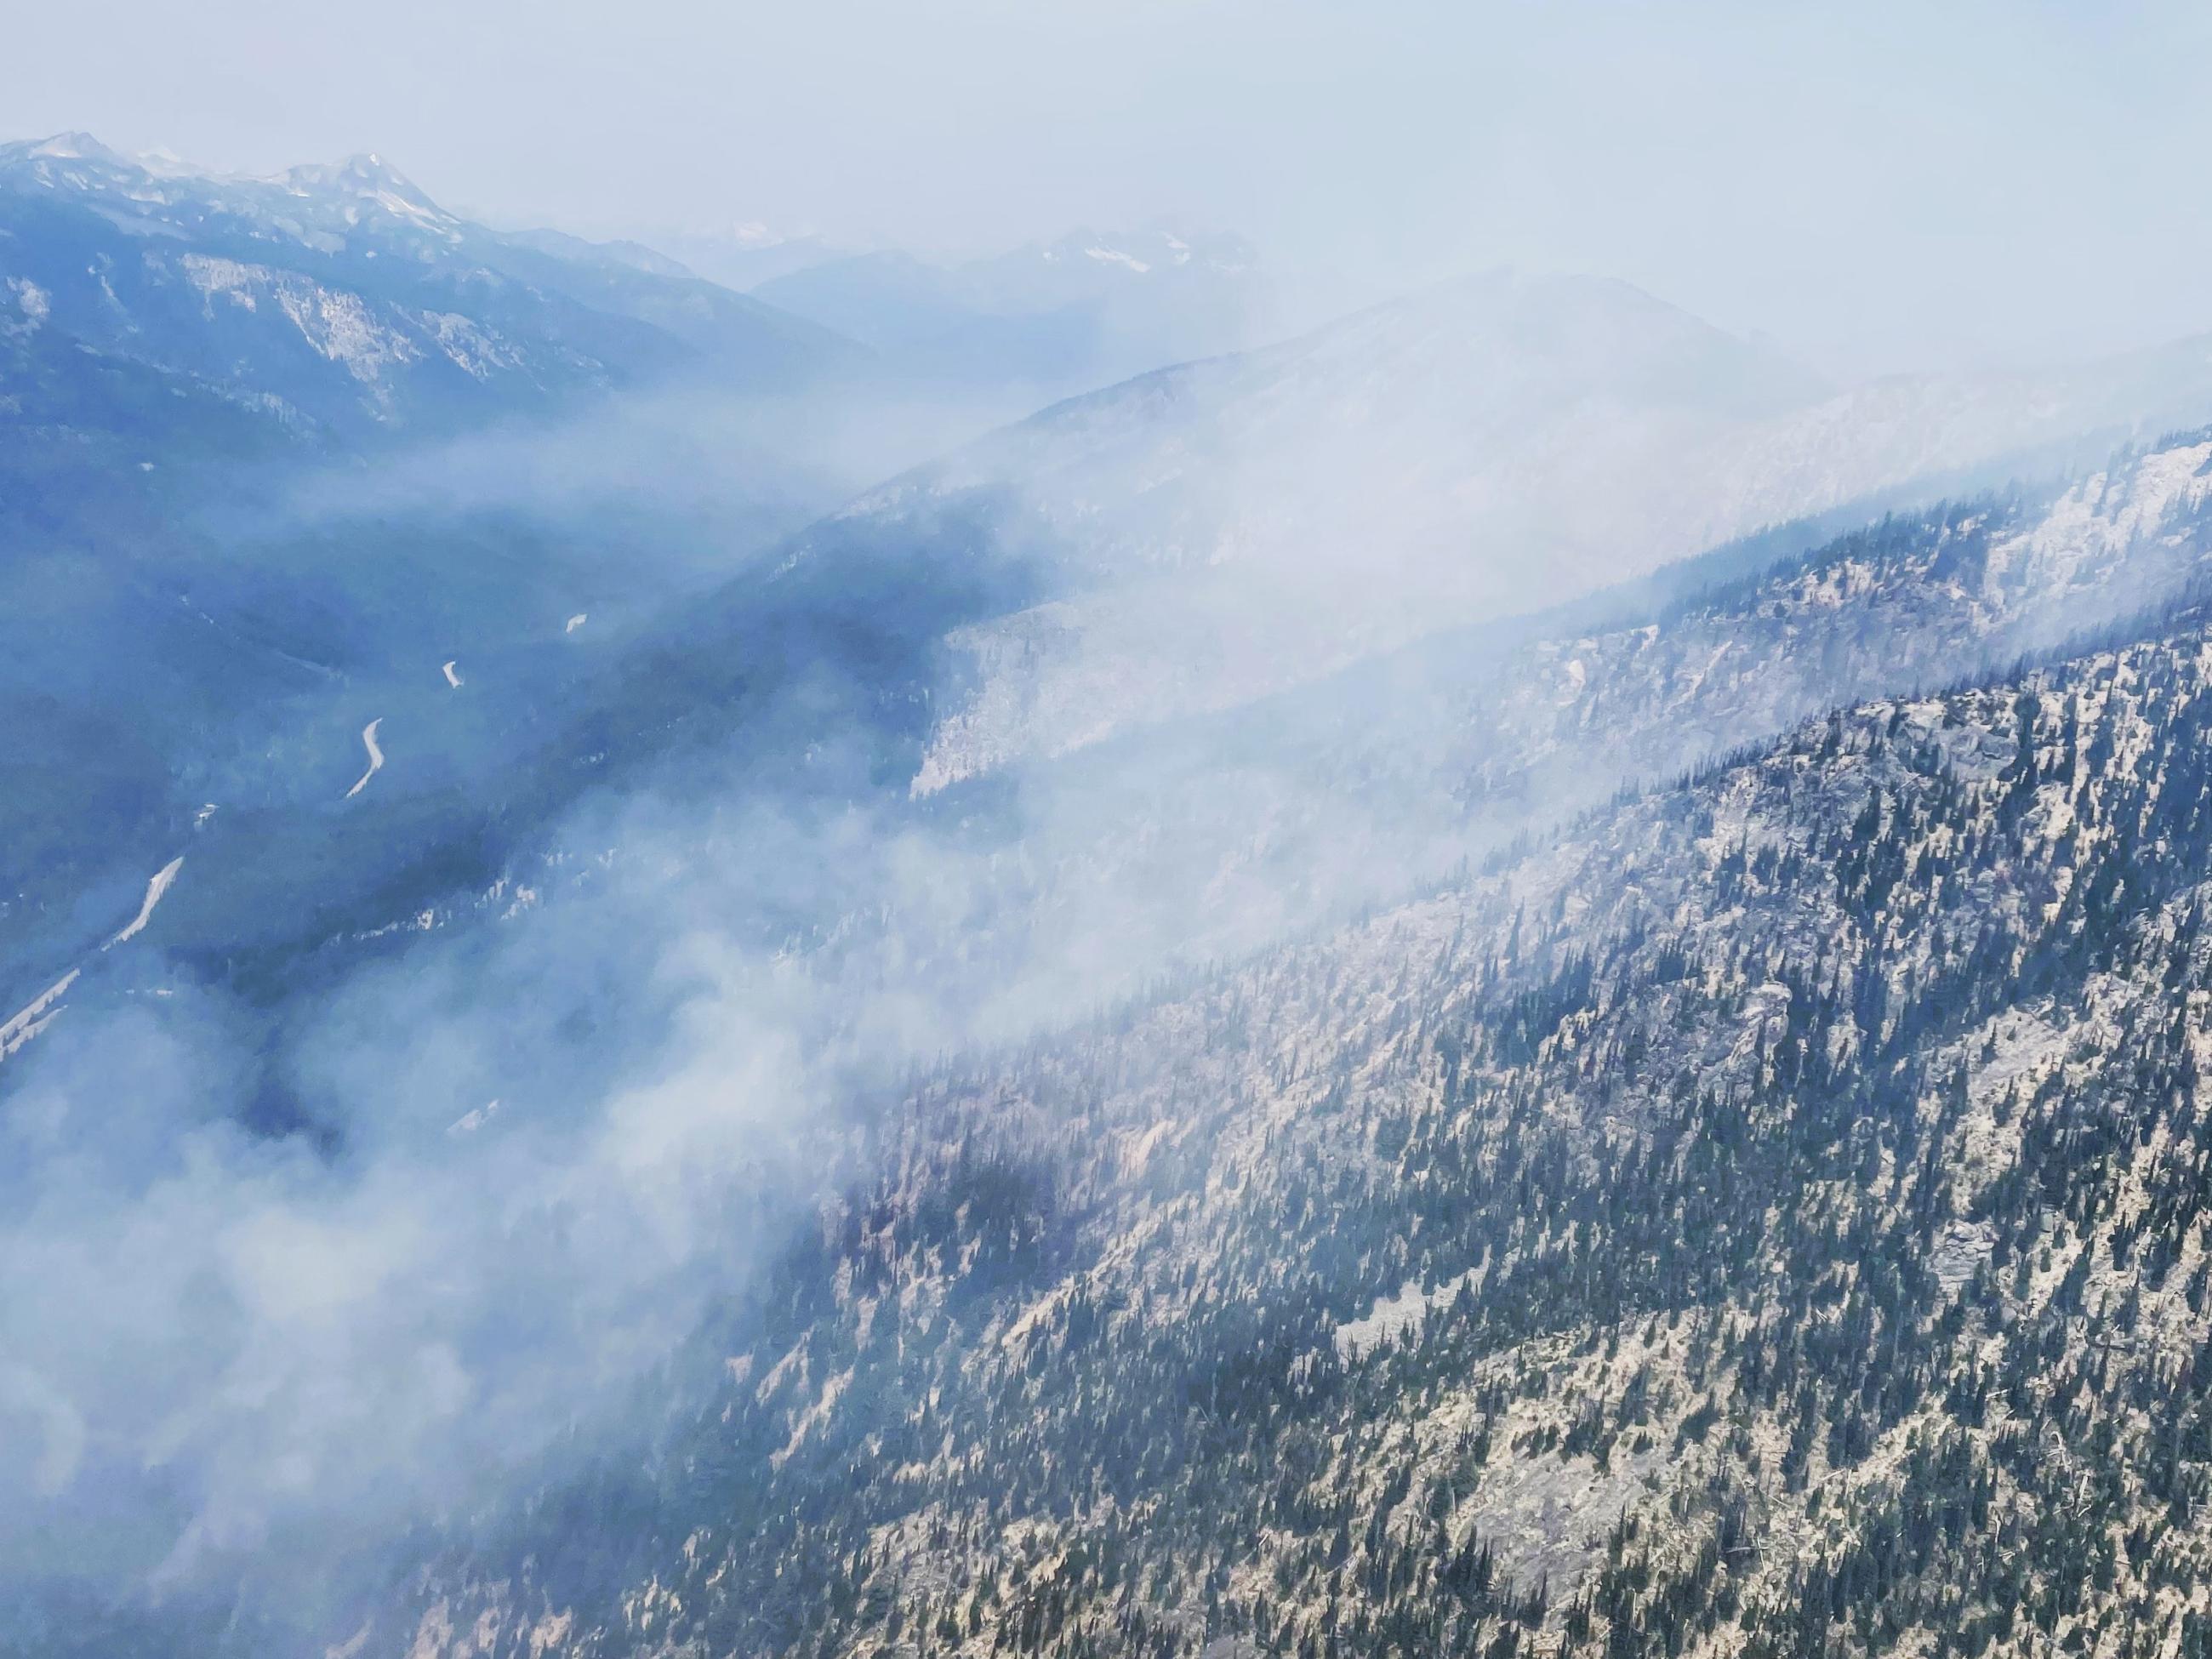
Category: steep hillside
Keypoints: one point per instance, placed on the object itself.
(1206, 836)
(1769, 1219)
(1312, 1152)
(1226, 529)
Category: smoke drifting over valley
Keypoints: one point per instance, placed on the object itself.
(928, 781)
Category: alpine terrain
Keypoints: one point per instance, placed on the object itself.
(844, 944)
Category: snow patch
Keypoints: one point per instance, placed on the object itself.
(1114, 256)
(27, 1023)
(163, 879)
(375, 757)
(468, 1122)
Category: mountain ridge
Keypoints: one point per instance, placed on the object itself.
(270, 288)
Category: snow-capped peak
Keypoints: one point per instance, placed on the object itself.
(73, 157)
(368, 176)
(345, 192)
(73, 147)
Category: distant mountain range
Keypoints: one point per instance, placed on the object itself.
(340, 300)
(1067, 315)
(743, 256)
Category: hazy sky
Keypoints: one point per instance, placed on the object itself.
(1876, 184)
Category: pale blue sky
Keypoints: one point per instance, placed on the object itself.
(1875, 184)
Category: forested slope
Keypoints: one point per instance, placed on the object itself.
(1769, 1219)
